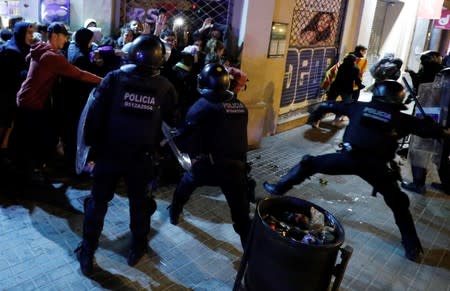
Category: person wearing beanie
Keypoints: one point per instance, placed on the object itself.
(90, 22)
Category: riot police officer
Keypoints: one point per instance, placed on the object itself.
(123, 126)
(216, 131)
(369, 145)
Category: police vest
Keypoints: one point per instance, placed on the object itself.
(223, 128)
(372, 129)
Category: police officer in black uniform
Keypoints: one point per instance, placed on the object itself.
(124, 128)
(369, 146)
(216, 132)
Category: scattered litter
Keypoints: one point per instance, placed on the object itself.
(305, 228)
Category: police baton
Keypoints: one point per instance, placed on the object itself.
(411, 92)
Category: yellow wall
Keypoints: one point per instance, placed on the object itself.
(263, 93)
(352, 23)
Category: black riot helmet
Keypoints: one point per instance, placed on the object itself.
(430, 57)
(213, 79)
(147, 51)
(389, 91)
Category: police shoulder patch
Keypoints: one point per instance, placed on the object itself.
(233, 107)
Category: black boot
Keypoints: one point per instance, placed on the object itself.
(413, 250)
(418, 185)
(273, 189)
(419, 189)
(296, 175)
(178, 200)
(138, 249)
(441, 187)
(85, 256)
(175, 211)
(251, 184)
(405, 223)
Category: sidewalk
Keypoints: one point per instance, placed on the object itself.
(37, 238)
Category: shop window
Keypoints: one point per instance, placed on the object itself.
(54, 10)
(193, 12)
(313, 45)
(8, 9)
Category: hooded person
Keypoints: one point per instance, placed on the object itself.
(82, 44)
(90, 22)
(15, 70)
(34, 124)
(75, 93)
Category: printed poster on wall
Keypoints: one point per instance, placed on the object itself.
(313, 42)
(444, 21)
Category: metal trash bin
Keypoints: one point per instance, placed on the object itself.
(274, 262)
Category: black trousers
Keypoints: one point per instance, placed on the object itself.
(137, 174)
(231, 177)
(374, 171)
(33, 140)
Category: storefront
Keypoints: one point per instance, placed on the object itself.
(279, 48)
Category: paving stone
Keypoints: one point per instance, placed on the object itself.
(203, 252)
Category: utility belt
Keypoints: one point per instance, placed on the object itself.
(212, 159)
(346, 147)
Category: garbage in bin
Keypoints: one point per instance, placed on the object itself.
(302, 228)
(293, 245)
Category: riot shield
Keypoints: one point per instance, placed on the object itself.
(443, 81)
(423, 151)
(82, 148)
(443, 84)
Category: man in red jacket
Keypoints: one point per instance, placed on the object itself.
(33, 137)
